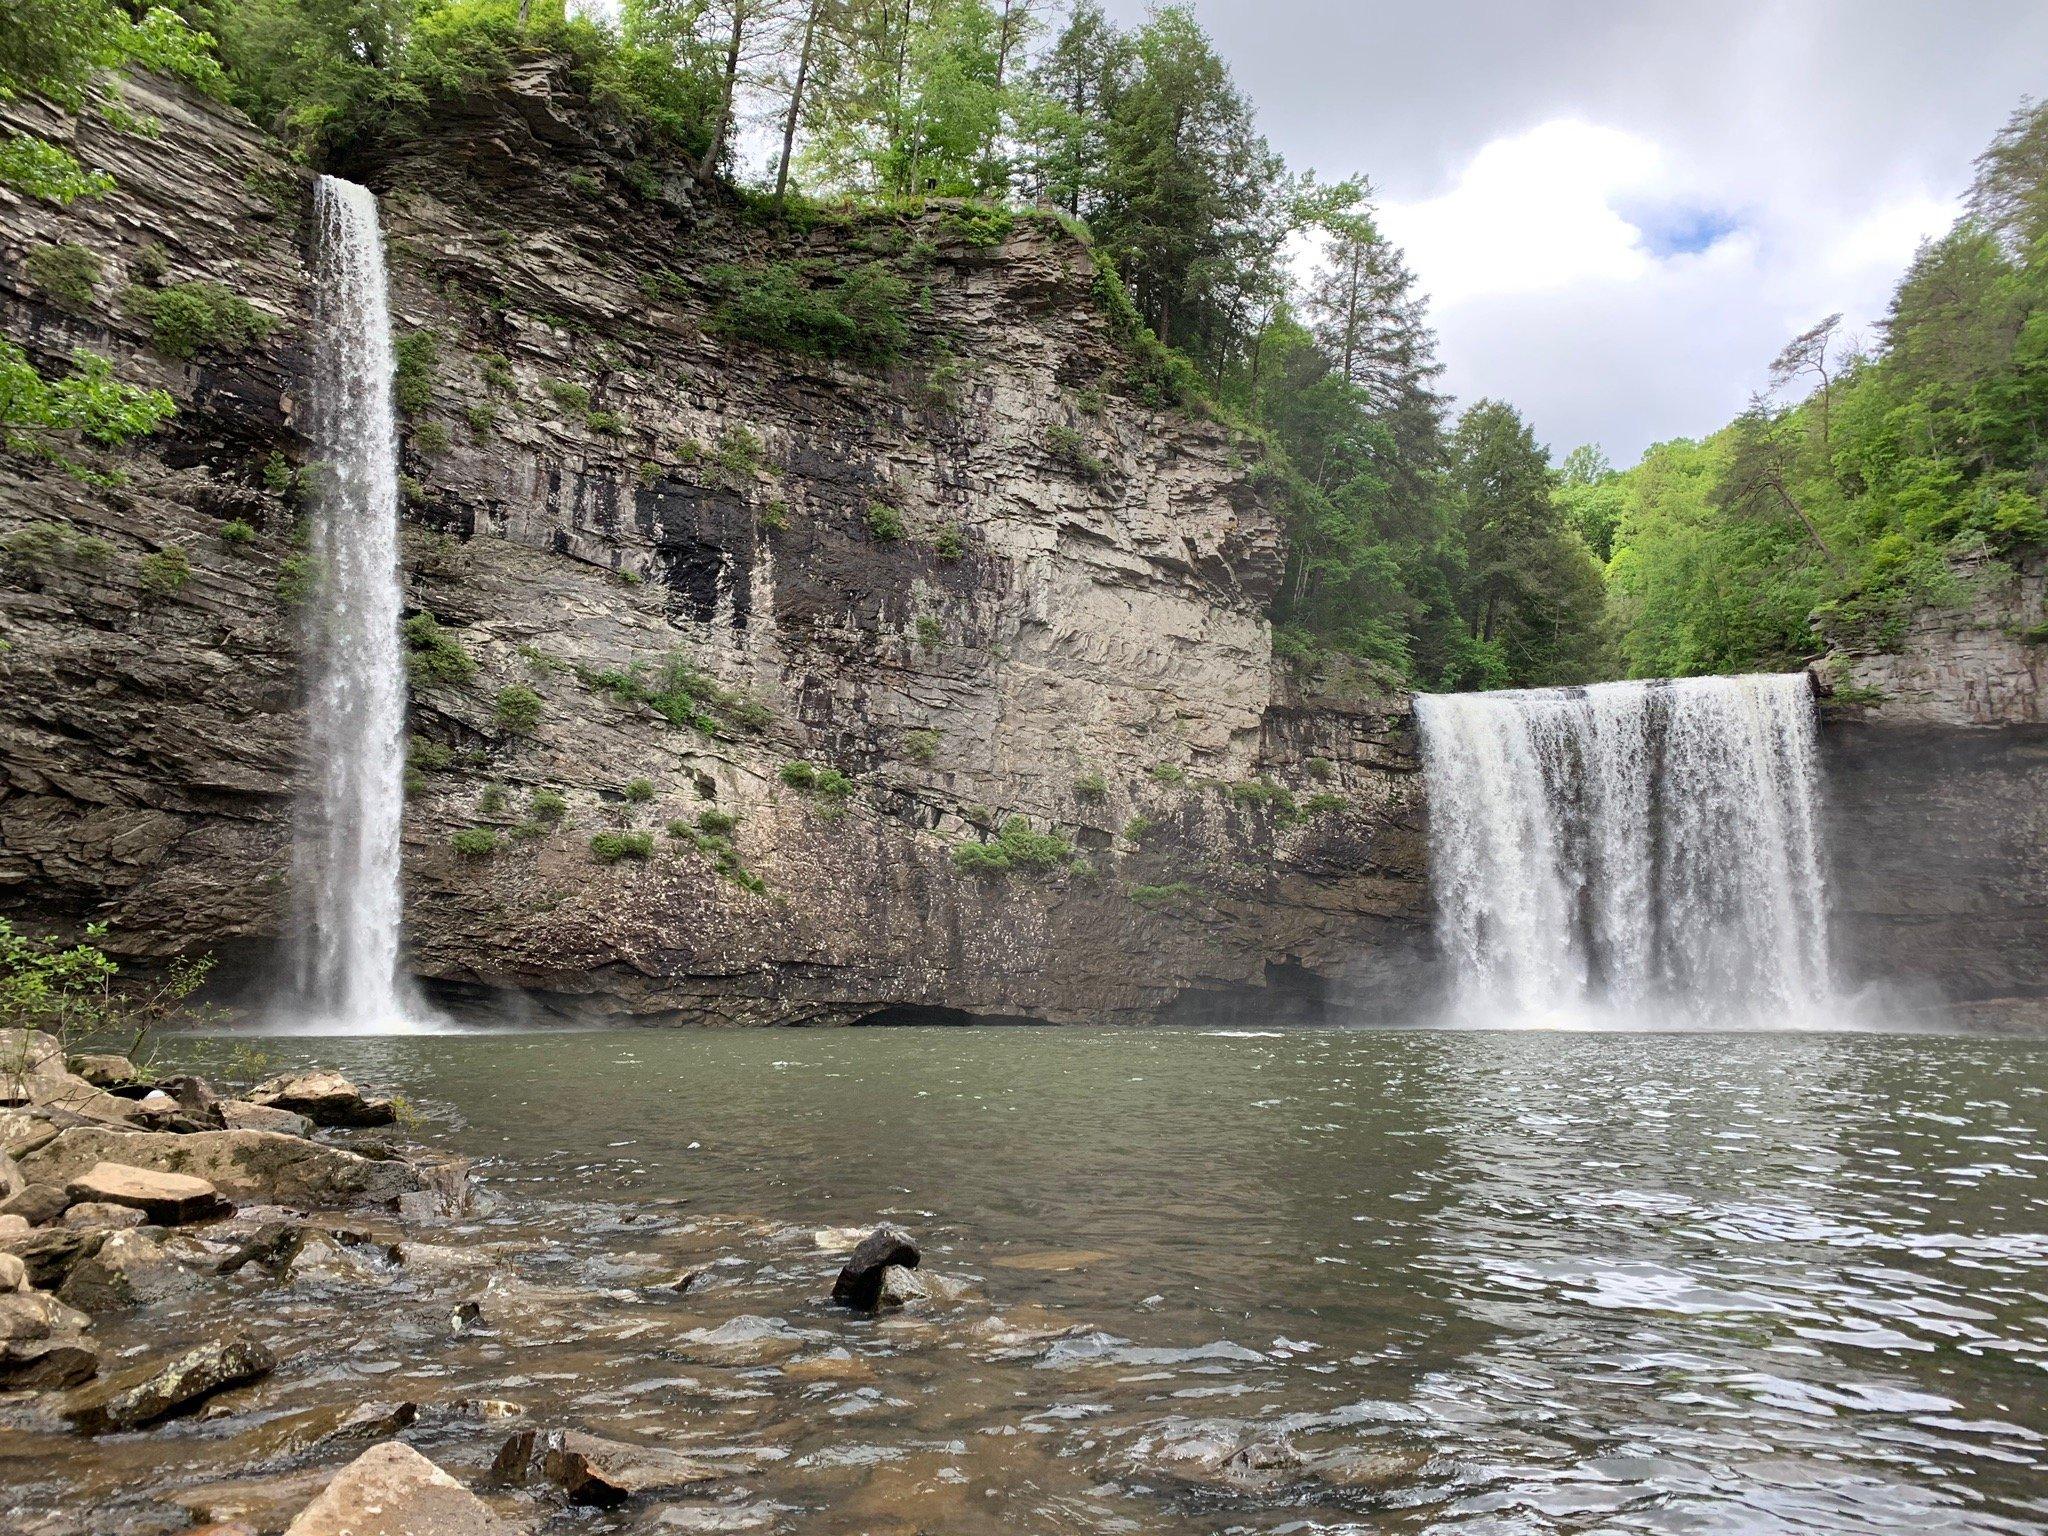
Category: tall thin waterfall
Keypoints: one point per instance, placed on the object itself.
(346, 858)
(1643, 851)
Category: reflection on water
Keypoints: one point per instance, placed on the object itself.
(1516, 1282)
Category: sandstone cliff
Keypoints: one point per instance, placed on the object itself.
(982, 580)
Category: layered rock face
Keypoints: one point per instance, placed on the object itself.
(983, 581)
(1937, 756)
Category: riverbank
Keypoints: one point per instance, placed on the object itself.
(1242, 1279)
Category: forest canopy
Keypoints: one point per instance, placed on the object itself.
(1440, 548)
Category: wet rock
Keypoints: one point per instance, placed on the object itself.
(392, 1490)
(50, 1252)
(271, 1247)
(109, 1072)
(28, 1315)
(165, 1198)
(158, 1389)
(900, 1287)
(859, 1285)
(97, 1216)
(595, 1471)
(241, 1165)
(46, 1365)
(267, 1503)
(37, 1203)
(1229, 1456)
(241, 1115)
(325, 1259)
(27, 1055)
(131, 1269)
(325, 1098)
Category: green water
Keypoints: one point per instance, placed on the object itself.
(1589, 1282)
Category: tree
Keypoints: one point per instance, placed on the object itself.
(1808, 352)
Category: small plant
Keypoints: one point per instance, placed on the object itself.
(572, 397)
(493, 801)
(1323, 803)
(165, 573)
(1319, 768)
(1137, 827)
(527, 831)
(1016, 847)
(1071, 449)
(775, 516)
(739, 452)
(432, 655)
(517, 709)
(929, 631)
(820, 308)
(884, 521)
(482, 419)
(429, 756)
(151, 264)
(1091, 786)
(950, 545)
(418, 358)
(1178, 894)
(66, 273)
(68, 989)
(430, 437)
(648, 473)
(608, 423)
(278, 476)
(296, 575)
(610, 847)
(547, 807)
(1261, 793)
(828, 783)
(415, 781)
(497, 372)
(186, 319)
(716, 822)
(1169, 773)
(980, 227)
(236, 533)
(640, 791)
(799, 775)
(475, 842)
(921, 746)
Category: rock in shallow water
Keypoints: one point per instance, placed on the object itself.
(859, 1285)
(158, 1389)
(325, 1098)
(392, 1490)
(165, 1198)
(241, 1165)
(595, 1471)
(45, 1365)
(131, 1269)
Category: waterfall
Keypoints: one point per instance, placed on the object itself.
(346, 856)
(1646, 852)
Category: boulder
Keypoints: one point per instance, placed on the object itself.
(241, 1165)
(158, 1389)
(50, 1252)
(46, 1365)
(109, 1072)
(859, 1285)
(12, 1227)
(27, 1055)
(59, 1091)
(98, 1216)
(23, 1130)
(271, 1247)
(165, 1198)
(392, 1490)
(11, 1181)
(26, 1315)
(595, 1471)
(197, 1099)
(325, 1098)
(13, 1274)
(241, 1115)
(131, 1269)
(37, 1203)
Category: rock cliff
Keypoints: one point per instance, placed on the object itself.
(811, 625)
(1936, 741)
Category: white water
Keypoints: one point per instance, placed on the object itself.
(1642, 853)
(346, 857)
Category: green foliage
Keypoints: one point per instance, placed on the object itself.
(36, 546)
(717, 822)
(739, 452)
(639, 791)
(1323, 802)
(482, 419)
(74, 989)
(1015, 848)
(883, 521)
(475, 842)
(417, 355)
(1262, 793)
(828, 783)
(236, 533)
(774, 517)
(185, 319)
(164, 573)
(1071, 448)
(547, 807)
(929, 631)
(982, 226)
(296, 576)
(41, 169)
(493, 801)
(432, 655)
(610, 847)
(428, 755)
(950, 544)
(813, 308)
(682, 695)
(920, 746)
(66, 273)
(430, 437)
(88, 402)
(573, 397)
(1176, 894)
(1091, 786)
(1321, 769)
(517, 709)
(1169, 773)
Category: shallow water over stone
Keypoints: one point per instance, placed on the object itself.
(1217, 1282)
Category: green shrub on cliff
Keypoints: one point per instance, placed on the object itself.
(432, 655)
(517, 709)
(66, 273)
(186, 319)
(475, 842)
(165, 573)
(813, 308)
(610, 847)
(547, 806)
(1016, 847)
(883, 521)
(36, 414)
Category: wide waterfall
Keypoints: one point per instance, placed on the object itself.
(346, 858)
(1647, 853)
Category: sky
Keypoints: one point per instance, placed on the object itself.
(1622, 210)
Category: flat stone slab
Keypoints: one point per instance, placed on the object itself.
(241, 1165)
(166, 1198)
(392, 1490)
(325, 1098)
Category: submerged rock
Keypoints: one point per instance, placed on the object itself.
(859, 1285)
(241, 1165)
(596, 1471)
(166, 1198)
(325, 1098)
(392, 1490)
(158, 1389)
